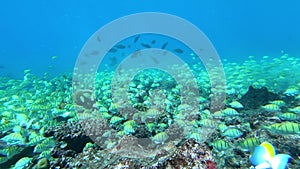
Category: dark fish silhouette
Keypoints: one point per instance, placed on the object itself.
(145, 45)
(2, 144)
(154, 60)
(178, 50)
(112, 50)
(120, 46)
(98, 39)
(113, 61)
(1, 67)
(135, 54)
(94, 52)
(164, 45)
(153, 42)
(136, 38)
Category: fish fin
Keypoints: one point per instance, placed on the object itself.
(263, 165)
(279, 161)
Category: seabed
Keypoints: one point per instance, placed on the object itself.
(45, 124)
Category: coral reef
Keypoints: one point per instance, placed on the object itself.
(188, 155)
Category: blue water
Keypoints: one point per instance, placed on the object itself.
(31, 32)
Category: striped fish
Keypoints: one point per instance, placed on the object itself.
(22, 163)
(196, 136)
(291, 91)
(271, 108)
(220, 145)
(279, 103)
(284, 128)
(3, 159)
(45, 145)
(288, 116)
(12, 151)
(14, 139)
(249, 144)
(128, 129)
(230, 112)
(115, 120)
(6, 127)
(35, 140)
(160, 138)
(222, 127)
(232, 133)
(236, 104)
(45, 154)
(295, 110)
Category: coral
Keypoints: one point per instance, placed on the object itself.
(72, 133)
(188, 155)
(77, 134)
(211, 165)
(254, 98)
(42, 164)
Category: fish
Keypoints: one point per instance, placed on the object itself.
(136, 38)
(264, 156)
(120, 46)
(295, 110)
(113, 60)
(2, 144)
(12, 151)
(130, 122)
(1, 67)
(222, 127)
(54, 57)
(230, 112)
(145, 45)
(112, 50)
(271, 108)
(22, 163)
(128, 129)
(3, 159)
(35, 140)
(279, 103)
(45, 154)
(196, 137)
(98, 38)
(232, 133)
(7, 127)
(164, 45)
(136, 54)
(236, 104)
(106, 115)
(150, 127)
(249, 144)
(154, 60)
(115, 120)
(44, 145)
(288, 116)
(207, 123)
(14, 139)
(291, 91)
(150, 115)
(94, 52)
(153, 41)
(177, 50)
(284, 128)
(160, 138)
(220, 145)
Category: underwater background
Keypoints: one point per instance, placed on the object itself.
(50, 120)
(33, 31)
